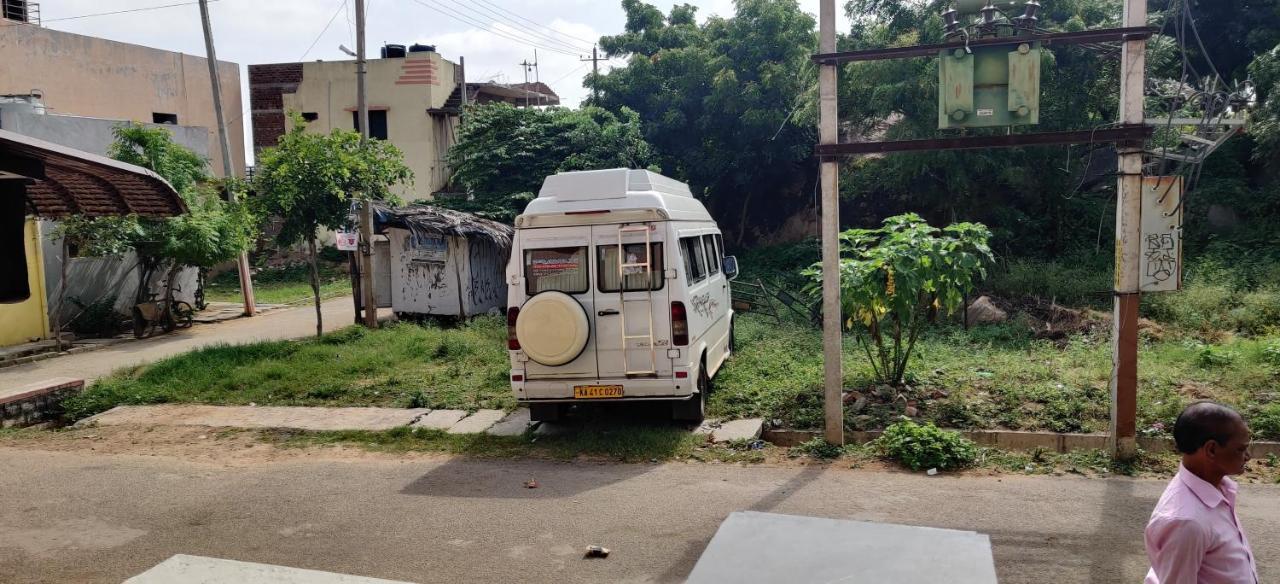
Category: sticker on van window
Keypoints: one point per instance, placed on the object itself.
(542, 267)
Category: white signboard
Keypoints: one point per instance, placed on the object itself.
(347, 241)
(1160, 266)
(426, 248)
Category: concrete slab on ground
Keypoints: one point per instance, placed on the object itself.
(185, 568)
(738, 430)
(477, 422)
(440, 419)
(295, 418)
(515, 424)
(707, 426)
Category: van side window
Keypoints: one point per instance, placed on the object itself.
(695, 267)
(563, 269)
(713, 259)
(633, 279)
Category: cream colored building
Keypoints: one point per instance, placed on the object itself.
(414, 102)
(85, 76)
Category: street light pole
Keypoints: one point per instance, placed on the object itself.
(1124, 327)
(228, 170)
(828, 120)
(366, 214)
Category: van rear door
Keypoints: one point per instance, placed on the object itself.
(560, 259)
(632, 302)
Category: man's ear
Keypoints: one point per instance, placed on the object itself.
(1211, 448)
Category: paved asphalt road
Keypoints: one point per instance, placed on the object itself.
(283, 324)
(81, 516)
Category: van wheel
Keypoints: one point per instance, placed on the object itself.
(547, 412)
(694, 409)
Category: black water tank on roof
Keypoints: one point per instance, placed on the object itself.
(393, 51)
(421, 48)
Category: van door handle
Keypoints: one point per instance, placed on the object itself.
(609, 312)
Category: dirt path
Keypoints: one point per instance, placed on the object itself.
(100, 505)
(283, 324)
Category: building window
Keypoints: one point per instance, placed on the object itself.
(313, 116)
(377, 123)
(15, 286)
(159, 118)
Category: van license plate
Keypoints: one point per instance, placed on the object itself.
(596, 391)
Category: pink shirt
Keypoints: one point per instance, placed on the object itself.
(1194, 536)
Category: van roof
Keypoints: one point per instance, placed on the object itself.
(617, 191)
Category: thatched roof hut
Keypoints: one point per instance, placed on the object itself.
(426, 218)
(444, 262)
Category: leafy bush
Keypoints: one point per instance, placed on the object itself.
(1069, 282)
(1219, 298)
(97, 319)
(1208, 356)
(920, 447)
(1265, 423)
(1271, 353)
(893, 279)
(817, 448)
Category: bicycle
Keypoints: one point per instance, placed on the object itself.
(147, 314)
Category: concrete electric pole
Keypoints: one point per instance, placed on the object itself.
(228, 170)
(1124, 328)
(366, 213)
(828, 122)
(595, 71)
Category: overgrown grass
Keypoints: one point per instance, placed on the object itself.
(623, 443)
(287, 285)
(996, 376)
(403, 365)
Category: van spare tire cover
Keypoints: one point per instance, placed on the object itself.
(553, 328)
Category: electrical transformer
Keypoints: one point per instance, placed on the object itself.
(990, 86)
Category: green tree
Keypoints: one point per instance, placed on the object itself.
(309, 181)
(210, 232)
(727, 105)
(503, 153)
(893, 278)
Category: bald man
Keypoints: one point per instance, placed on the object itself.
(1195, 536)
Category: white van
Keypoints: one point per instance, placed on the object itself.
(618, 290)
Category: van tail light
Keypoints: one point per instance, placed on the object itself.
(679, 325)
(513, 342)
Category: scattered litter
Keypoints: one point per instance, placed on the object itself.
(1030, 467)
(204, 436)
(756, 445)
(531, 484)
(931, 472)
(253, 404)
(595, 551)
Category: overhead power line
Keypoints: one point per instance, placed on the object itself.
(505, 21)
(535, 23)
(509, 36)
(530, 27)
(342, 7)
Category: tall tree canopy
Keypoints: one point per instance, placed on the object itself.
(503, 152)
(723, 103)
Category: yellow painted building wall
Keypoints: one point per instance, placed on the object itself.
(21, 322)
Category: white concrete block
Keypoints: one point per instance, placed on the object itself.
(514, 424)
(440, 419)
(738, 430)
(184, 568)
(477, 422)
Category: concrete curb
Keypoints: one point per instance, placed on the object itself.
(1011, 440)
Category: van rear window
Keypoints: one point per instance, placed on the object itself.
(633, 278)
(563, 269)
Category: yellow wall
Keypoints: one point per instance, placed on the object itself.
(328, 89)
(23, 321)
(92, 77)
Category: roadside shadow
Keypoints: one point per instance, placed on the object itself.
(481, 479)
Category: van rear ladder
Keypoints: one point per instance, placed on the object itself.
(647, 267)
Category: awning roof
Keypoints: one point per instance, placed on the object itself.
(63, 181)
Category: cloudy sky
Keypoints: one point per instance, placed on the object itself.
(493, 35)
